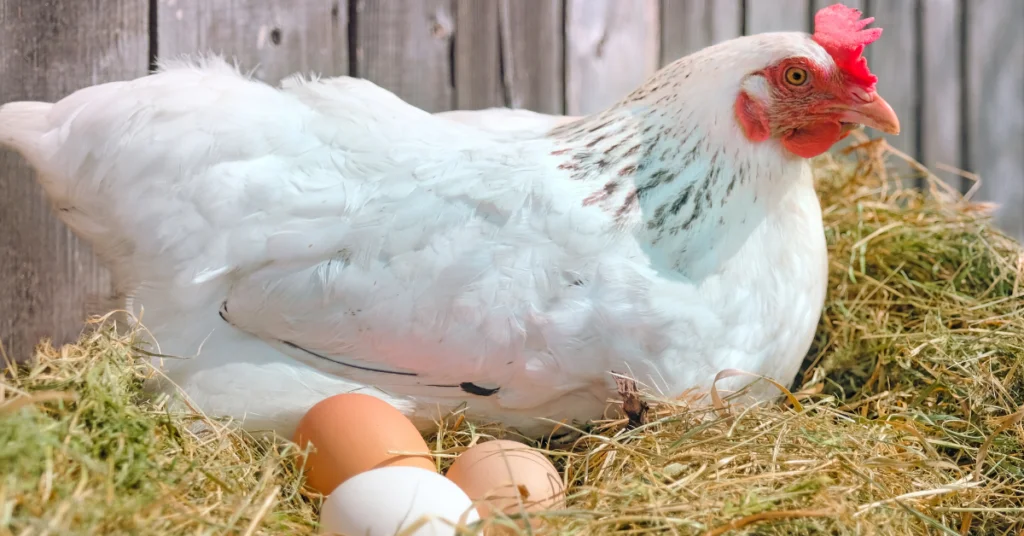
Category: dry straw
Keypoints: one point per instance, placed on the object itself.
(907, 418)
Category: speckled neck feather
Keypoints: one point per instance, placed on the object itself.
(677, 173)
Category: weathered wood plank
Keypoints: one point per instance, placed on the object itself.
(477, 55)
(405, 46)
(532, 44)
(995, 106)
(777, 16)
(48, 280)
(893, 58)
(274, 38)
(612, 46)
(690, 25)
(941, 94)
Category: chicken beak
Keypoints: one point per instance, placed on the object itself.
(874, 113)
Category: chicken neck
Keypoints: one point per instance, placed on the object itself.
(670, 164)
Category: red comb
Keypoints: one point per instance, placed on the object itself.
(840, 31)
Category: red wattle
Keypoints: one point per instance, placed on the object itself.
(813, 140)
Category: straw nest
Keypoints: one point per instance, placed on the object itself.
(906, 419)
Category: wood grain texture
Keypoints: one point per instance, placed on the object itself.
(273, 38)
(477, 55)
(941, 79)
(48, 279)
(532, 45)
(690, 25)
(893, 58)
(777, 16)
(612, 47)
(995, 106)
(405, 47)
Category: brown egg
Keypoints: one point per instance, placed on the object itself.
(352, 433)
(497, 474)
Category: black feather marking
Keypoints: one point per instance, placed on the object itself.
(224, 311)
(681, 200)
(475, 389)
(367, 369)
(600, 126)
(693, 216)
(691, 156)
(627, 204)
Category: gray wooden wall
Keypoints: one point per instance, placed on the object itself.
(952, 69)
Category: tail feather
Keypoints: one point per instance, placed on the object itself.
(22, 125)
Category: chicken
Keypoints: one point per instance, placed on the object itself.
(281, 245)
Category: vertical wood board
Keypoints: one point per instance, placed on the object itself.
(995, 106)
(477, 55)
(941, 79)
(532, 41)
(690, 25)
(405, 47)
(49, 281)
(777, 16)
(272, 38)
(893, 58)
(612, 47)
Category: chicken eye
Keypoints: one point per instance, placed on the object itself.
(795, 76)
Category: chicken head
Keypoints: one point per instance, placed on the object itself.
(808, 104)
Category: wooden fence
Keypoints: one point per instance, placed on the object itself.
(952, 69)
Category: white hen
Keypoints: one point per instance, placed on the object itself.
(291, 244)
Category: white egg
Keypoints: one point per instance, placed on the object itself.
(388, 500)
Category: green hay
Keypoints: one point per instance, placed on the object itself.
(83, 452)
(908, 420)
